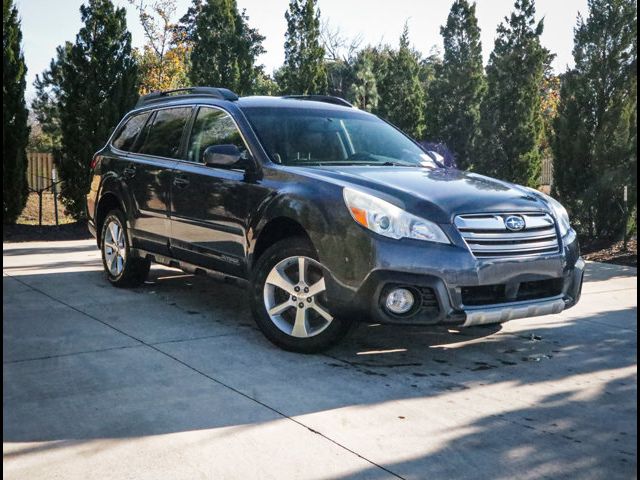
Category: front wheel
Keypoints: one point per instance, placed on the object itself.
(121, 268)
(289, 299)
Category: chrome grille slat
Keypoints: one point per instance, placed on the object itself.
(514, 248)
(487, 236)
(473, 236)
(496, 222)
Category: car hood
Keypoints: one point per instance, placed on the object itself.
(436, 194)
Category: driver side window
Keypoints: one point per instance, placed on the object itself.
(212, 127)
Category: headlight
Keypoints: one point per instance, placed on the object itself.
(386, 219)
(561, 214)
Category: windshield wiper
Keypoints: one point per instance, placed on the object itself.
(365, 158)
(397, 164)
(346, 163)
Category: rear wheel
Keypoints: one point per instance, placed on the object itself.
(289, 299)
(121, 268)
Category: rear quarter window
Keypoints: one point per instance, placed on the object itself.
(126, 135)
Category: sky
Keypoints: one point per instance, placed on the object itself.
(49, 23)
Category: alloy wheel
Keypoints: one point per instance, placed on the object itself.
(295, 297)
(113, 245)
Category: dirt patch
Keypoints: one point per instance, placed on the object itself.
(612, 252)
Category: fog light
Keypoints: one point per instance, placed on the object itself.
(399, 301)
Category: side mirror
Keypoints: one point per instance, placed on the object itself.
(225, 156)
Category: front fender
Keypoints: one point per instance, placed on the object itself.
(342, 246)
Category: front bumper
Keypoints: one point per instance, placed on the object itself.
(441, 274)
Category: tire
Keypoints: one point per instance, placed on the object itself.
(121, 268)
(299, 320)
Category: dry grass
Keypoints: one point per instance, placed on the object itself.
(29, 215)
(27, 229)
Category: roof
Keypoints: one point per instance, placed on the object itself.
(288, 102)
(216, 96)
(185, 93)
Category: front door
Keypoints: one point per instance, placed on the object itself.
(209, 206)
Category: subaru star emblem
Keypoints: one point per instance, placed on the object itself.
(515, 223)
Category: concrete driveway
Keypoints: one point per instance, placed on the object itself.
(173, 380)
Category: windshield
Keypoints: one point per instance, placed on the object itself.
(307, 137)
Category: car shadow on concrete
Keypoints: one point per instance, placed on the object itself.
(550, 441)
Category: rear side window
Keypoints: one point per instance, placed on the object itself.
(162, 136)
(212, 127)
(126, 136)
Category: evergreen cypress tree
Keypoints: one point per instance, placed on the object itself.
(88, 88)
(15, 132)
(378, 56)
(224, 48)
(455, 96)
(511, 118)
(364, 90)
(596, 126)
(304, 71)
(402, 96)
(428, 67)
(47, 102)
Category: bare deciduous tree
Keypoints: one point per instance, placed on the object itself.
(337, 45)
(163, 57)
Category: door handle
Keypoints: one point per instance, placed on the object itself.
(180, 182)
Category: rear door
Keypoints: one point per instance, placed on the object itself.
(148, 177)
(114, 158)
(209, 206)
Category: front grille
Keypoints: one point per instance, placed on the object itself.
(487, 235)
(496, 294)
(483, 295)
(540, 289)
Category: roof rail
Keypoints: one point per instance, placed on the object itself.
(220, 93)
(321, 98)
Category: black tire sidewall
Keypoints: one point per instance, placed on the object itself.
(274, 254)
